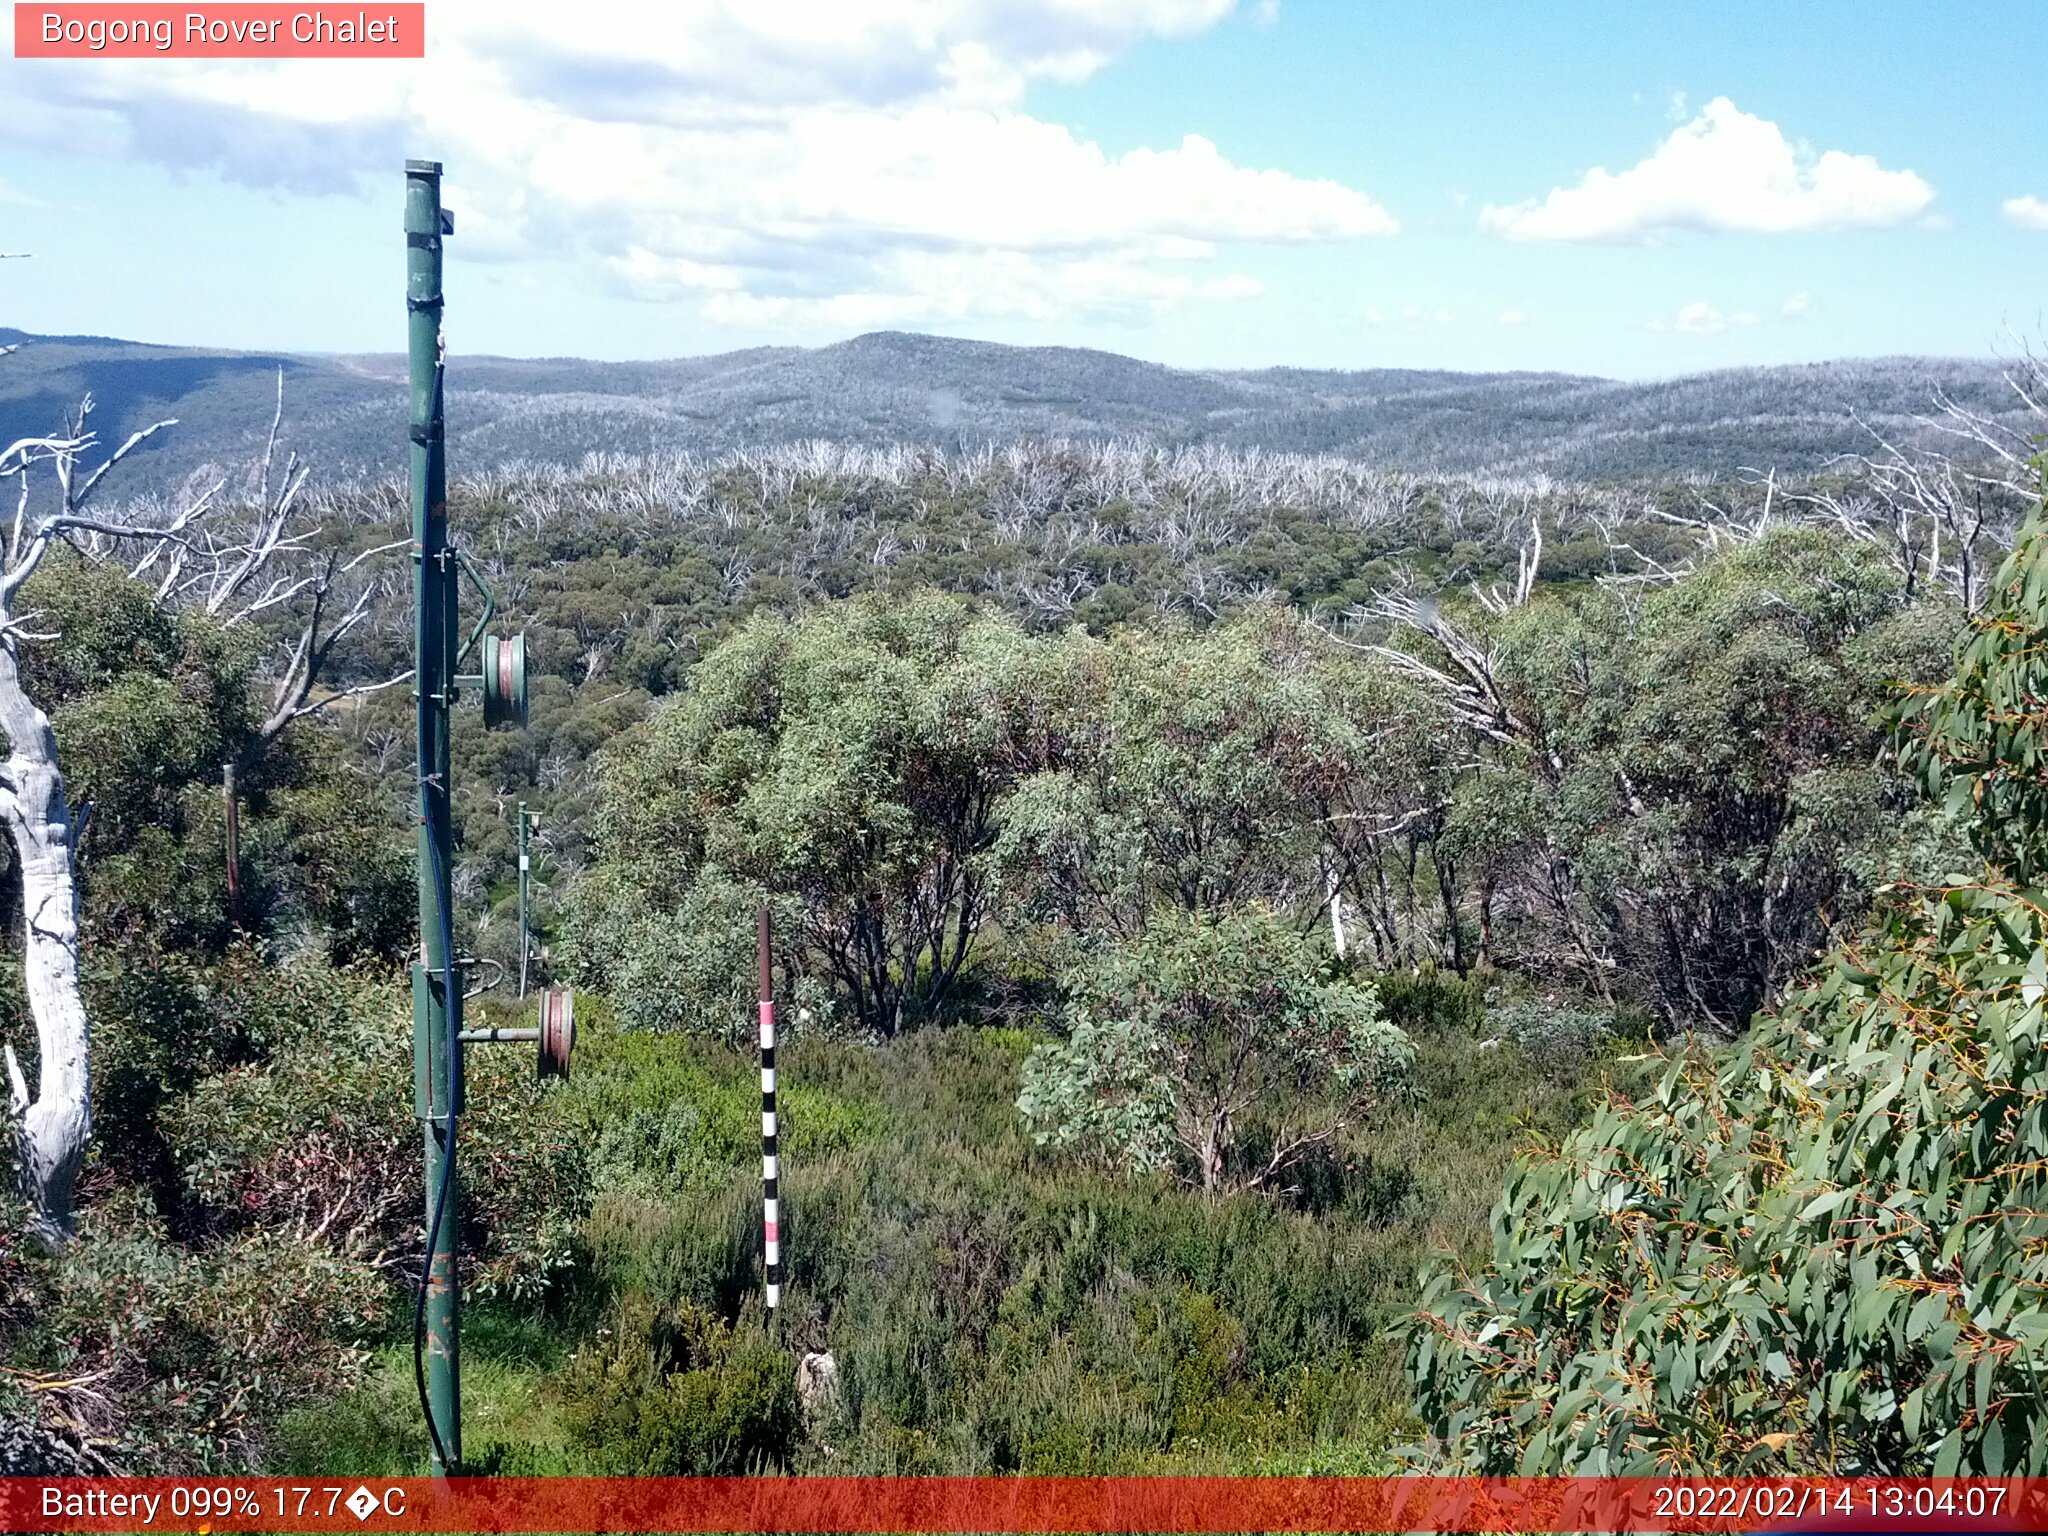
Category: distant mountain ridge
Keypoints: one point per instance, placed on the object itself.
(347, 412)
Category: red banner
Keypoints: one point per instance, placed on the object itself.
(1080, 1504)
(242, 31)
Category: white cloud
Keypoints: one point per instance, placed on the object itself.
(1798, 307)
(1725, 170)
(924, 288)
(1511, 317)
(766, 158)
(2028, 212)
(1700, 318)
(1266, 12)
(1409, 316)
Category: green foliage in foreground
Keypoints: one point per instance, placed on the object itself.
(676, 1393)
(1830, 1254)
(253, 1215)
(991, 1307)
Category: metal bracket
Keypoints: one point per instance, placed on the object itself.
(490, 603)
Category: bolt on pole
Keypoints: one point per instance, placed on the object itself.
(436, 988)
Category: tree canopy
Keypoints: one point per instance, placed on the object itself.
(1827, 1252)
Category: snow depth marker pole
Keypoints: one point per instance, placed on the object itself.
(771, 1212)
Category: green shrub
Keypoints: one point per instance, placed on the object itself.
(1429, 1000)
(1827, 1254)
(675, 1392)
(1555, 1036)
(318, 1139)
(1213, 1046)
(185, 1359)
(664, 1116)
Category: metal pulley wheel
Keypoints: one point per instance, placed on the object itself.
(557, 1030)
(504, 680)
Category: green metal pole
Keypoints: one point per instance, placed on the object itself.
(437, 991)
(525, 943)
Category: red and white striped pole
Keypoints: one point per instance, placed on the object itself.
(771, 1214)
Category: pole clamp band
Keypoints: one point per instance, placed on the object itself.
(427, 436)
(415, 306)
(419, 241)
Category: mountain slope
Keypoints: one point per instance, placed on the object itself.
(347, 411)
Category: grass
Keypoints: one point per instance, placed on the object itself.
(991, 1305)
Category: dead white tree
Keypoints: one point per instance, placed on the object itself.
(1465, 676)
(1942, 510)
(53, 1123)
(267, 563)
(272, 558)
(1945, 515)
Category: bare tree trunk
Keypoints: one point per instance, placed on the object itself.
(1333, 893)
(55, 1124)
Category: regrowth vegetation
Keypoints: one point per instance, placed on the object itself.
(1196, 876)
(1826, 1253)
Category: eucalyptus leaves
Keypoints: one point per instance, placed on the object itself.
(1830, 1252)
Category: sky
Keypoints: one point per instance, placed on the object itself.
(1630, 189)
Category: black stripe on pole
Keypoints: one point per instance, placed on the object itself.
(771, 1167)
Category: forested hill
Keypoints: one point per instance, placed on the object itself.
(890, 387)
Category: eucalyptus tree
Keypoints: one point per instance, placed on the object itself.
(1219, 1048)
(1200, 770)
(847, 765)
(1824, 1252)
(1678, 783)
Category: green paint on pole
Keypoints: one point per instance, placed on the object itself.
(437, 990)
(525, 939)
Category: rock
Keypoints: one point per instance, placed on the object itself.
(817, 1383)
(29, 1448)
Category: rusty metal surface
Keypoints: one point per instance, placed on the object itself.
(557, 1030)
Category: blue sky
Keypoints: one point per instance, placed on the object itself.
(1630, 189)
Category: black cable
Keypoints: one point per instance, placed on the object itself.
(419, 1320)
(449, 996)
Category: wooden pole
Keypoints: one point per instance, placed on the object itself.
(234, 833)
